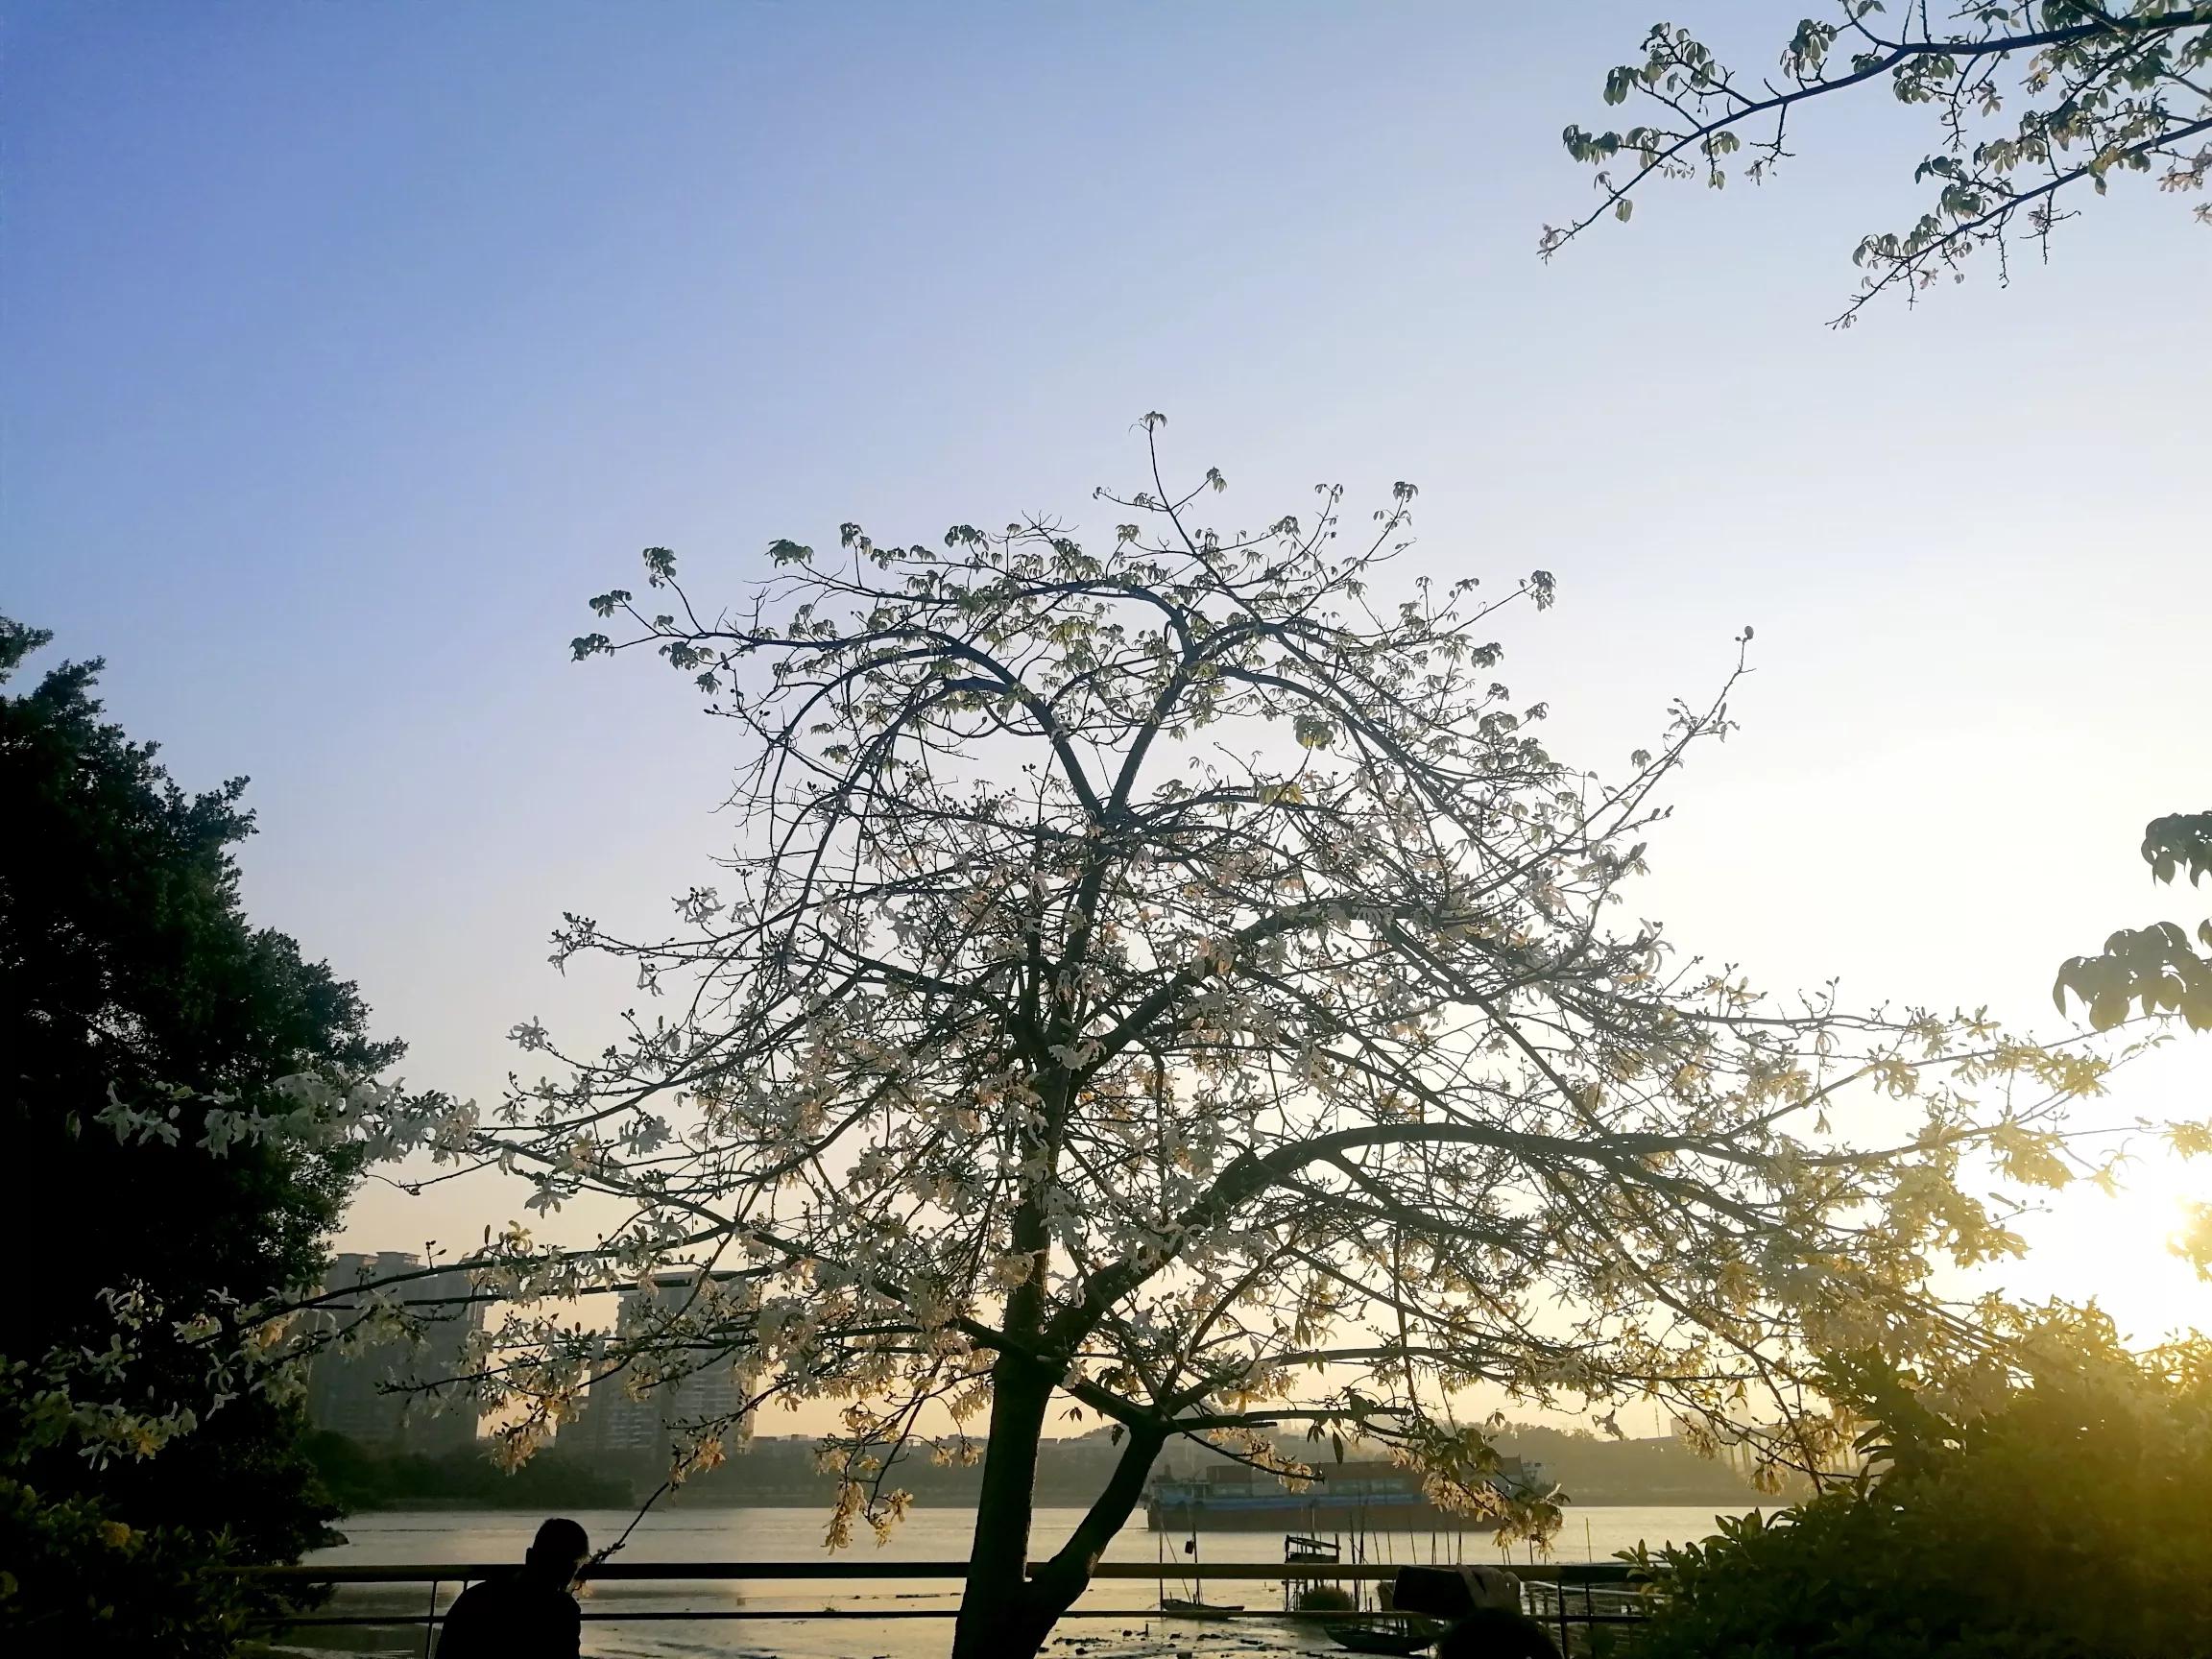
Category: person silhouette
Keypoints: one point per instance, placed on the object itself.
(1483, 1606)
(529, 1613)
(1497, 1633)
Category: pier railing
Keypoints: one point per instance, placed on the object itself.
(1563, 1595)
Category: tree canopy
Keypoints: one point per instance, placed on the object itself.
(2033, 101)
(1170, 980)
(145, 1020)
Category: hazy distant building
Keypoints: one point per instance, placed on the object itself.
(613, 1424)
(350, 1388)
(610, 1424)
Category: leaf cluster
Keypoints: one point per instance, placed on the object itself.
(2156, 969)
(2034, 101)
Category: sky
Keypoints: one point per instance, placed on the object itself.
(345, 350)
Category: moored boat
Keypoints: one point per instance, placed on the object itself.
(1179, 1608)
(1385, 1632)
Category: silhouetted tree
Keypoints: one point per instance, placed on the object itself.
(130, 979)
(2033, 99)
(1171, 982)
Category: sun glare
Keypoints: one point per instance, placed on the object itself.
(2123, 1249)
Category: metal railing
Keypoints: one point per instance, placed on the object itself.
(1605, 1597)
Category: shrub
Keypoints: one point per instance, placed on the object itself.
(2072, 1521)
(80, 1581)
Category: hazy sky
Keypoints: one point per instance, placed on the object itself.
(346, 349)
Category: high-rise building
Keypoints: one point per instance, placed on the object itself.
(612, 1422)
(358, 1389)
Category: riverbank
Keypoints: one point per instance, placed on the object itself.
(781, 1471)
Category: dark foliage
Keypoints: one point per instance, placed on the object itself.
(78, 1582)
(2074, 1521)
(361, 1477)
(128, 972)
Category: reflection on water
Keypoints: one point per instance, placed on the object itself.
(1130, 1626)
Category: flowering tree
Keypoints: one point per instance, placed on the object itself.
(1171, 983)
(2034, 99)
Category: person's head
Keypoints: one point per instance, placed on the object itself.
(559, 1550)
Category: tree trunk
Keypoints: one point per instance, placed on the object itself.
(994, 1621)
(1005, 1614)
(1060, 1580)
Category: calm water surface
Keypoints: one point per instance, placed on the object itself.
(927, 1535)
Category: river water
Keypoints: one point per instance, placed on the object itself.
(1133, 1631)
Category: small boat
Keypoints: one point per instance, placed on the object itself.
(1385, 1632)
(1177, 1607)
(1195, 1605)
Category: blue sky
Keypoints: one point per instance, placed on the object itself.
(346, 350)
